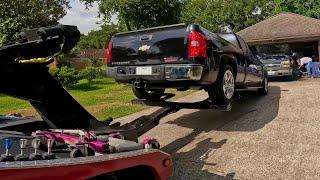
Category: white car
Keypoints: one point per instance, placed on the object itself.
(278, 65)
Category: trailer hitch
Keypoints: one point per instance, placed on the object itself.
(139, 83)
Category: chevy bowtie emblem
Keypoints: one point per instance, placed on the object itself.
(144, 48)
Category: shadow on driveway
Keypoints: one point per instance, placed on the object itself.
(249, 113)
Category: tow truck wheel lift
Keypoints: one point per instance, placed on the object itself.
(24, 75)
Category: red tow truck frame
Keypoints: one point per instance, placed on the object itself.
(125, 164)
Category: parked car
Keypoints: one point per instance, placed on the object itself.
(184, 56)
(278, 66)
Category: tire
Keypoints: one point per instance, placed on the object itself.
(142, 93)
(82, 151)
(87, 151)
(265, 88)
(155, 144)
(76, 153)
(224, 88)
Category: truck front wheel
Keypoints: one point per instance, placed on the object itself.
(224, 88)
(142, 93)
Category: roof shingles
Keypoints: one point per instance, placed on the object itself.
(282, 26)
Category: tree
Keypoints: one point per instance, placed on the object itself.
(136, 14)
(309, 8)
(238, 14)
(8, 29)
(16, 15)
(98, 39)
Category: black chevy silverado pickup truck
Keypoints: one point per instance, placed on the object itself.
(184, 56)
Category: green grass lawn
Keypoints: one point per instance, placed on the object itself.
(103, 98)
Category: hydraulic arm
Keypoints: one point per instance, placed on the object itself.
(25, 76)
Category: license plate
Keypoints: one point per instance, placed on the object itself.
(271, 72)
(144, 70)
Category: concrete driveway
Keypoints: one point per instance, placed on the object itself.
(272, 137)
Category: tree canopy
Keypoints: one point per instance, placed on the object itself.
(240, 14)
(309, 8)
(136, 14)
(16, 15)
(212, 14)
(237, 14)
(98, 39)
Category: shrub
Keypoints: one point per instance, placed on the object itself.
(90, 73)
(96, 62)
(63, 60)
(54, 72)
(67, 76)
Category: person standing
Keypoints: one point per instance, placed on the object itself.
(294, 60)
(304, 65)
(315, 66)
(295, 65)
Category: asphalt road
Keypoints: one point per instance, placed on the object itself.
(272, 137)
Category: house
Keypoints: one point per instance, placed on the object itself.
(84, 58)
(285, 33)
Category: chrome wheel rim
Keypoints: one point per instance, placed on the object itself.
(228, 84)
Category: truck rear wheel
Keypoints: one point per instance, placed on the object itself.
(264, 90)
(224, 88)
(142, 93)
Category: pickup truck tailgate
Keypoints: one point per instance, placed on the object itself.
(150, 46)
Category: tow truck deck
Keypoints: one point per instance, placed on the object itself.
(27, 78)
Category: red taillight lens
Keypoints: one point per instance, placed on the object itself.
(197, 45)
(109, 53)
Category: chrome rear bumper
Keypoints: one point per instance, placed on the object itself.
(172, 72)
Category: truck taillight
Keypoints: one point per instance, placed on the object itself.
(197, 45)
(108, 58)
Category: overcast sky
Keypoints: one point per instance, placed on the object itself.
(78, 15)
